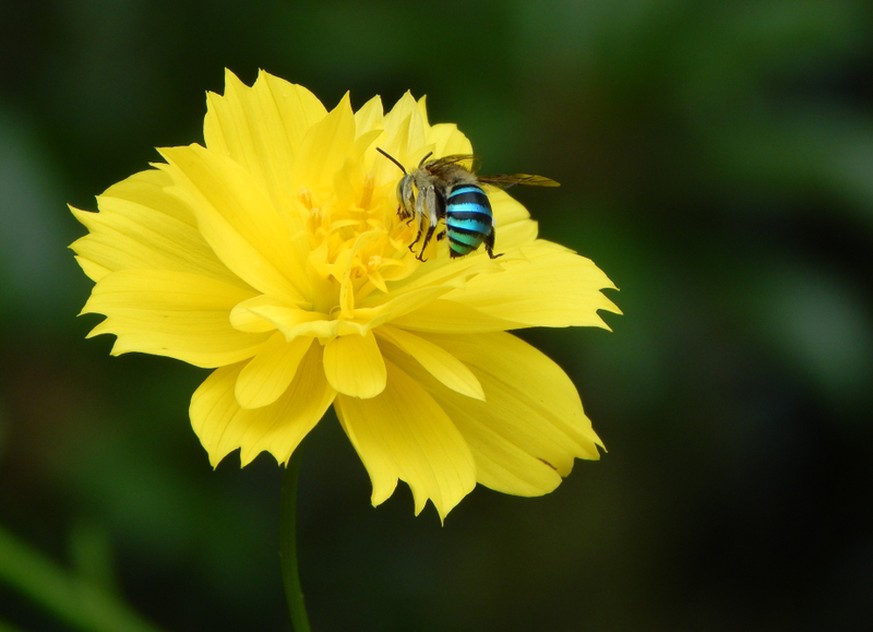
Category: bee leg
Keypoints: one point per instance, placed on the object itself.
(426, 241)
(417, 237)
(427, 209)
(489, 245)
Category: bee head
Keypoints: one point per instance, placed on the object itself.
(405, 188)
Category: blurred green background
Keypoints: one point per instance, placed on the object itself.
(716, 161)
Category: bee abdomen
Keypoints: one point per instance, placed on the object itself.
(469, 220)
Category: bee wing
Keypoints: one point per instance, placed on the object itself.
(447, 165)
(452, 159)
(441, 167)
(526, 179)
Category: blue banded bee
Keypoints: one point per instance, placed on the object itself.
(444, 190)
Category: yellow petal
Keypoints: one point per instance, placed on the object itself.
(141, 226)
(264, 313)
(502, 464)
(538, 284)
(441, 316)
(174, 314)
(405, 131)
(354, 365)
(513, 225)
(403, 434)
(532, 427)
(223, 426)
(418, 292)
(369, 116)
(92, 269)
(541, 285)
(267, 375)
(437, 361)
(448, 140)
(247, 233)
(262, 127)
(323, 151)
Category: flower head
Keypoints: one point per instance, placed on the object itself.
(274, 255)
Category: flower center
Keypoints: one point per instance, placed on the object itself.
(358, 244)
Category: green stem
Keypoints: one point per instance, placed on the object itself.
(288, 546)
(70, 598)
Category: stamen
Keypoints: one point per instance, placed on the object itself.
(367, 192)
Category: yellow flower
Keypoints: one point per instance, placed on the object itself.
(275, 256)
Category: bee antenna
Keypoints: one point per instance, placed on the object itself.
(392, 159)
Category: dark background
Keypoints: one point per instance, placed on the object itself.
(716, 161)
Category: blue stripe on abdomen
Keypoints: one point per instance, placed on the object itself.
(469, 219)
(468, 193)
